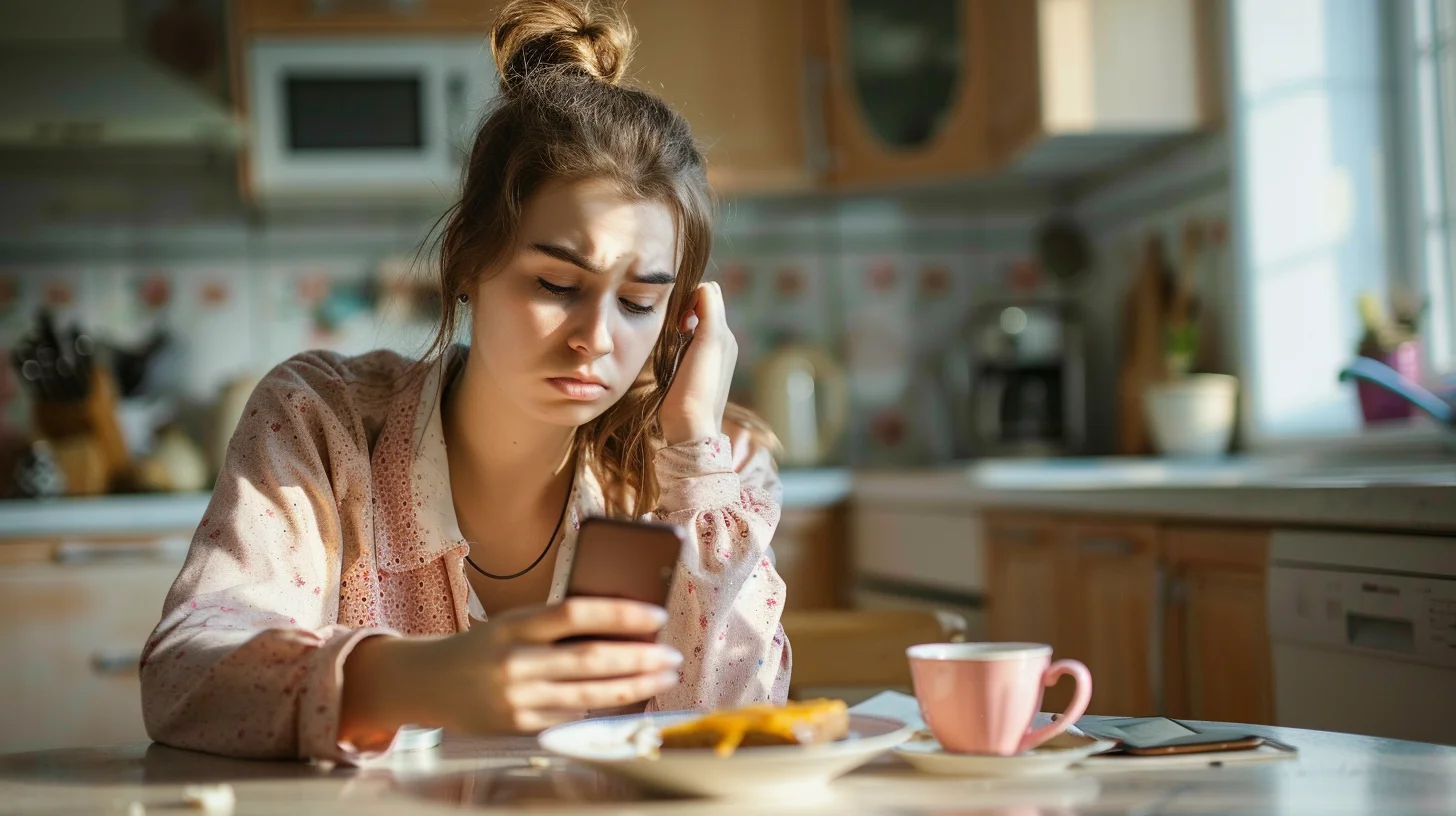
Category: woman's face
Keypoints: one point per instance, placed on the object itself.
(568, 323)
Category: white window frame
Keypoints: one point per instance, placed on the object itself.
(1422, 49)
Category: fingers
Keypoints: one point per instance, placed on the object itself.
(590, 694)
(586, 616)
(707, 307)
(590, 661)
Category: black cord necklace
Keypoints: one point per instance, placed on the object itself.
(549, 541)
(570, 488)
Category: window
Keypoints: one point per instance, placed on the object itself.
(1424, 48)
(1343, 123)
(1307, 120)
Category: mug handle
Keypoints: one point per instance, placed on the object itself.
(1074, 712)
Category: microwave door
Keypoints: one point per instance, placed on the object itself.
(381, 114)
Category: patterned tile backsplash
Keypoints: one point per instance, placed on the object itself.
(874, 283)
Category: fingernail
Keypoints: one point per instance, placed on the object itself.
(667, 678)
(659, 616)
(668, 655)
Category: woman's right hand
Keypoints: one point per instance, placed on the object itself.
(510, 675)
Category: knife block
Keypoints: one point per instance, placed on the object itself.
(93, 417)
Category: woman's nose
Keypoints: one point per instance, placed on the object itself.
(591, 335)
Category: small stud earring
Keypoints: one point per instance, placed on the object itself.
(464, 298)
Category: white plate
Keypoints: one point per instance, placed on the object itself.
(772, 771)
(1054, 757)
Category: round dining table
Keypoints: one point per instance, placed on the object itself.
(1330, 774)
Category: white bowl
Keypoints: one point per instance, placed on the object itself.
(772, 772)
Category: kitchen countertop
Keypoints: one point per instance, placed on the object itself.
(1333, 774)
(1415, 495)
(1408, 495)
(170, 513)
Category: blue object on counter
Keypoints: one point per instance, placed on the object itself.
(1442, 409)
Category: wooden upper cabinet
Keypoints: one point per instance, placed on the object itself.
(905, 89)
(1077, 85)
(737, 72)
(1014, 117)
(253, 18)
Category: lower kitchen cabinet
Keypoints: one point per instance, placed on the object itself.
(1116, 622)
(1170, 619)
(1026, 569)
(810, 555)
(73, 619)
(1028, 580)
(1219, 664)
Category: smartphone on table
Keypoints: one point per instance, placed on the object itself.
(634, 560)
(1153, 736)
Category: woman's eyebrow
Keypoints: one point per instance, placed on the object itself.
(580, 261)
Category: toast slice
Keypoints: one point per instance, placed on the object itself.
(804, 723)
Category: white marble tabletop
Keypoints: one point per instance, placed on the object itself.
(1333, 774)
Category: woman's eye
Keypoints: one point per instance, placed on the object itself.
(552, 289)
(635, 308)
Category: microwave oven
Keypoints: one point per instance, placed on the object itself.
(364, 119)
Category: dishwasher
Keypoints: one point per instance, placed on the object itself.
(1363, 631)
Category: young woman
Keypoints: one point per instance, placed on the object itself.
(388, 540)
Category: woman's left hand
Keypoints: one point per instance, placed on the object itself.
(693, 407)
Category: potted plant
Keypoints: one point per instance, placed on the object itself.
(1390, 337)
(1189, 414)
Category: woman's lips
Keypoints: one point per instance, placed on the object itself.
(576, 389)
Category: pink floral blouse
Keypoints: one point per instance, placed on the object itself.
(332, 521)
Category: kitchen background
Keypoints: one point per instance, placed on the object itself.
(1009, 278)
(123, 244)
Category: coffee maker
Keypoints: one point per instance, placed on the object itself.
(1027, 380)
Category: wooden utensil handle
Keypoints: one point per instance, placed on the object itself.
(94, 416)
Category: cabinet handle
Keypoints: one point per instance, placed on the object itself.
(1177, 591)
(94, 552)
(1106, 546)
(113, 664)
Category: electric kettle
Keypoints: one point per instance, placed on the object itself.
(801, 393)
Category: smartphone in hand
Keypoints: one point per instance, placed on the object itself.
(635, 560)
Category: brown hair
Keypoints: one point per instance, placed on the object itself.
(563, 115)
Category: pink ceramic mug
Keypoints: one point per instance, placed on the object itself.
(979, 698)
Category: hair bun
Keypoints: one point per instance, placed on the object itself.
(533, 37)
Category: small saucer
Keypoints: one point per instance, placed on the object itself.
(925, 753)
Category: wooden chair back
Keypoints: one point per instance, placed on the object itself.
(862, 648)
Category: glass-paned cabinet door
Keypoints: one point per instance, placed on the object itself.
(908, 81)
(904, 62)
